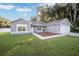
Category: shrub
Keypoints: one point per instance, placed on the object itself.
(74, 29)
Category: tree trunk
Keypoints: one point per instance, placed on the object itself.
(69, 12)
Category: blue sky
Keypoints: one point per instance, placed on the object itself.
(15, 11)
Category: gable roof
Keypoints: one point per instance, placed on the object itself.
(17, 20)
(38, 23)
(61, 21)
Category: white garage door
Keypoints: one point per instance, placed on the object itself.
(64, 29)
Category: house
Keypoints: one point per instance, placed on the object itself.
(22, 26)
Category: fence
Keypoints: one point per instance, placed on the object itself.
(5, 29)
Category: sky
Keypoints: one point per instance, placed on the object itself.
(14, 11)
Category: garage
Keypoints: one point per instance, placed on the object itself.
(64, 29)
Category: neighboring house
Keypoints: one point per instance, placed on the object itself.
(23, 26)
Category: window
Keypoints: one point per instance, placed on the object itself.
(31, 26)
(44, 28)
(21, 28)
(39, 27)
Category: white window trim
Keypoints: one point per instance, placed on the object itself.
(39, 28)
(21, 25)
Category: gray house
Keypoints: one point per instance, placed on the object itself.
(22, 26)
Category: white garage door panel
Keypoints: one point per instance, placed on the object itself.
(65, 29)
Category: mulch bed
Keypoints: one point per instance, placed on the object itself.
(47, 34)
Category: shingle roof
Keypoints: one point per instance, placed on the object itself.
(61, 21)
(54, 22)
(38, 23)
(17, 20)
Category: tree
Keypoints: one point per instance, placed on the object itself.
(4, 22)
(50, 13)
(33, 18)
(43, 13)
(59, 11)
(73, 9)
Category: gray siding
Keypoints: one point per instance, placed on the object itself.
(13, 25)
(65, 22)
(53, 28)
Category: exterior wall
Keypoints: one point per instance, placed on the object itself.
(62, 29)
(65, 22)
(35, 29)
(14, 25)
(53, 29)
(65, 29)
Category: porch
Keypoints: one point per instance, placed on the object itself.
(38, 29)
(47, 35)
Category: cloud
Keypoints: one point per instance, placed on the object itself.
(24, 14)
(25, 9)
(17, 8)
(41, 4)
(49, 4)
(7, 7)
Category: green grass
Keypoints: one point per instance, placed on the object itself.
(28, 44)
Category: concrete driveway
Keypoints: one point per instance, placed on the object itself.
(74, 34)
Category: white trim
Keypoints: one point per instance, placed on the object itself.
(35, 29)
(53, 36)
(21, 25)
(57, 28)
(39, 29)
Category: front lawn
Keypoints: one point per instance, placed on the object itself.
(28, 44)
